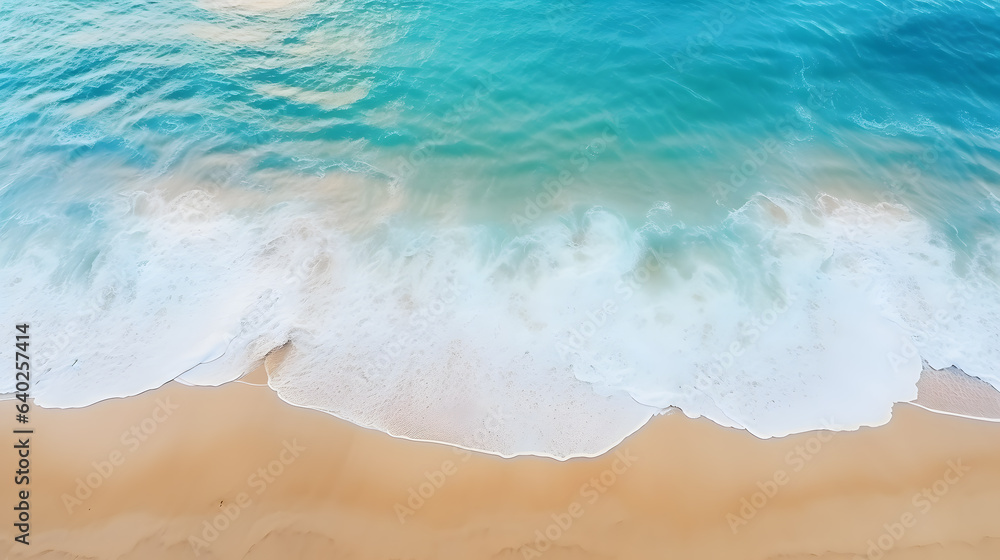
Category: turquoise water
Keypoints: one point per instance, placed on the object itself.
(577, 213)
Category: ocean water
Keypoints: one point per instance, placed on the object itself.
(514, 226)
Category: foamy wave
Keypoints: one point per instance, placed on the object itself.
(790, 315)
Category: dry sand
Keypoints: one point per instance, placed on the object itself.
(338, 491)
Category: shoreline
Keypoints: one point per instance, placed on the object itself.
(679, 484)
(947, 391)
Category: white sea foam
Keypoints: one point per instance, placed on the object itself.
(789, 316)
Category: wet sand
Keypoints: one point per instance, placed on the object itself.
(234, 472)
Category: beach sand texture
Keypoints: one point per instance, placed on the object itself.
(284, 482)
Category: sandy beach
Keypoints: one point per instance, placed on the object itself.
(234, 472)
